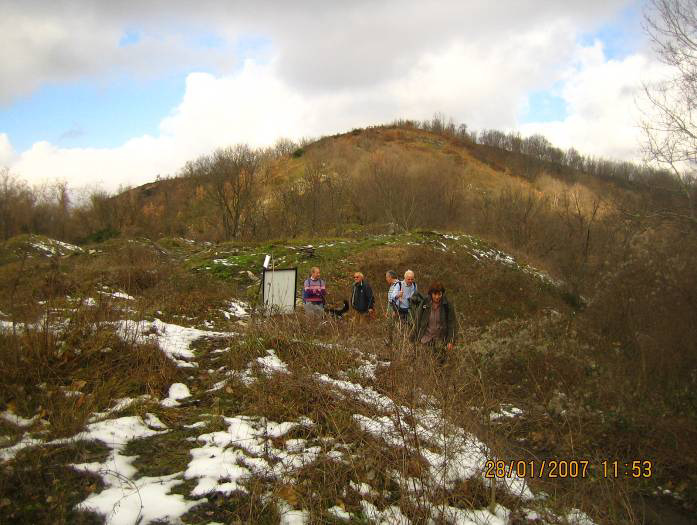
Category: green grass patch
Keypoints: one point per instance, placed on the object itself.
(252, 507)
(163, 454)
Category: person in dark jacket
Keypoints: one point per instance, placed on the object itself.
(435, 323)
(362, 300)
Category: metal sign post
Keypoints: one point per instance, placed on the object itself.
(279, 287)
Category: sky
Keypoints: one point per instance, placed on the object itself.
(110, 94)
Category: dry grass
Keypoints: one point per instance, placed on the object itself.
(542, 365)
(589, 386)
(39, 486)
(406, 380)
(88, 361)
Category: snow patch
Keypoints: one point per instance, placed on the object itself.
(364, 394)
(126, 500)
(390, 515)
(174, 340)
(152, 421)
(228, 458)
(177, 391)
(290, 516)
(26, 442)
(340, 513)
(18, 420)
(505, 411)
(9, 325)
(577, 517)
(117, 295)
(50, 247)
(120, 404)
(142, 501)
(466, 457)
(218, 386)
(271, 364)
(236, 308)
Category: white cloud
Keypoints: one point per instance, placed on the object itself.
(484, 85)
(7, 153)
(322, 45)
(342, 67)
(44, 44)
(252, 106)
(601, 96)
(480, 87)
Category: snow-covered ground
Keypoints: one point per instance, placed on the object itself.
(223, 461)
(50, 247)
(174, 340)
(236, 308)
(116, 295)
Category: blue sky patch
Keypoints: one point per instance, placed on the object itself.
(620, 36)
(544, 106)
(129, 38)
(210, 41)
(91, 115)
(105, 114)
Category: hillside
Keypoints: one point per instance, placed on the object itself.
(140, 384)
(408, 177)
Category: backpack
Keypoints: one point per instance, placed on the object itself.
(416, 301)
(395, 302)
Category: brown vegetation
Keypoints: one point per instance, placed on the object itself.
(597, 370)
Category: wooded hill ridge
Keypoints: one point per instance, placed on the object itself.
(428, 175)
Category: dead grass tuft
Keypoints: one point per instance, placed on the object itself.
(65, 376)
(39, 486)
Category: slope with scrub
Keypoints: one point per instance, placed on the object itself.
(137, 386)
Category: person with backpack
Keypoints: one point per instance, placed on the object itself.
(394, 287)
(435, 324)
(407, 288)
(314, 293)
(362, 300)
(397, 322)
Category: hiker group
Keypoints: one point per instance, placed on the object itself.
(427, 320)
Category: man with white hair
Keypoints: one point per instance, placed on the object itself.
(407, 289)
(362, 300)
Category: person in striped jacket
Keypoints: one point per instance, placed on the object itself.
(314, 293)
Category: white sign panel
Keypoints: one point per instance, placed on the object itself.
(279, 288)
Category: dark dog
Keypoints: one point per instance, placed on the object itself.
(338, 313)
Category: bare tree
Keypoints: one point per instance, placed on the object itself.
(17, 204)
(63, 208)
(314, 190)
(671, 125)
(232, 172)
(390, 182)
(284, 147)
